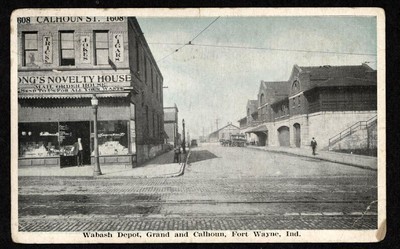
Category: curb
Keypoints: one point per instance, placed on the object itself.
(179, 173)
(319, 158)
(183, 167)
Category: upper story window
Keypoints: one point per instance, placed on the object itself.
(157, 88)
(154, 124)
(152, 79)
(294, 103)
(67, 55)
(137, 56)
(296, 86)
(101, 47)
(30, 48)
(147, 119)
(145, 70)
(298, 101)
(262, 99)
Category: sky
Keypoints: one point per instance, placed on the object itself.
(210, 83)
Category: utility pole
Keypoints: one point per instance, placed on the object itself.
(183, 134)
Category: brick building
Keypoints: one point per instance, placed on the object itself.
(315, 102)
(171, 124)
(62, 63)
(250, 121)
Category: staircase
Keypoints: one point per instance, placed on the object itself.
(351, 130)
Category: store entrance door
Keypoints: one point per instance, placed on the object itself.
(72, 131)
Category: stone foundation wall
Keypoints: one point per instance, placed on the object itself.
(321, 125)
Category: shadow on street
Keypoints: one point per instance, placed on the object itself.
(200, 155)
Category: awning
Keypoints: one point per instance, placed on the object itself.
(261, 128)
(72, 96)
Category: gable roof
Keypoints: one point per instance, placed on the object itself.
(224, 128)
(252, 102)
(325, 72)
(329, 76)
(277, 88)
(347, 81)
(245, 118)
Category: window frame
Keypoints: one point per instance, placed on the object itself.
(63, 61)
(96, 48)
(24, 64)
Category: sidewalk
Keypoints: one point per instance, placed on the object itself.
(366, 162)
(160, 166)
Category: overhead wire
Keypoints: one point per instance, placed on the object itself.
(190, 41)
(265, 48)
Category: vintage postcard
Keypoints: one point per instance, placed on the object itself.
(198, 125)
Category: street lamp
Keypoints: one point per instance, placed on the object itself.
(95, 104)
(183, 133)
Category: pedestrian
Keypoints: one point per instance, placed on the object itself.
(177, 153)
(313, 145)
(78, 152)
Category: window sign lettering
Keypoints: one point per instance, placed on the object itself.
(47, 49)
(118, 48)
(85, 49)
(29, 84)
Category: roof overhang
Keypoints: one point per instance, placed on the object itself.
(261, 128)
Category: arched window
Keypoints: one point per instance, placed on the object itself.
(296, 86)
(262, 99)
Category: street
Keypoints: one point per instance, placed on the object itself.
(223, 188)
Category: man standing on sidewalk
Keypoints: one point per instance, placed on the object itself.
(313, 145)
(78, 151)
(177, 154)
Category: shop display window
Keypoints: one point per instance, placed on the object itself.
(112, 138)
(38, 139)
(69, 134)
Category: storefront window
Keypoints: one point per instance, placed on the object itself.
(112, 138)
(38, 139)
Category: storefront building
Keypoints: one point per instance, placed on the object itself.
(63, 63)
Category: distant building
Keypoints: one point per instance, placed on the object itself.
(223, 133)
(315, 102)
(250, 121)
(202, 139)
(171, 124)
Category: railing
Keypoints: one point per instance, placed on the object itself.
(348, 131)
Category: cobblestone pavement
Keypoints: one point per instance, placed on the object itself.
(222, 188)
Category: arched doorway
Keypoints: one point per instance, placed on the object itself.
(262, 138)
(297, 135)
(284, 136)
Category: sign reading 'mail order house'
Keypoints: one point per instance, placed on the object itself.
(47, 84)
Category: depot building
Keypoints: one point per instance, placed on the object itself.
(62, 65)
